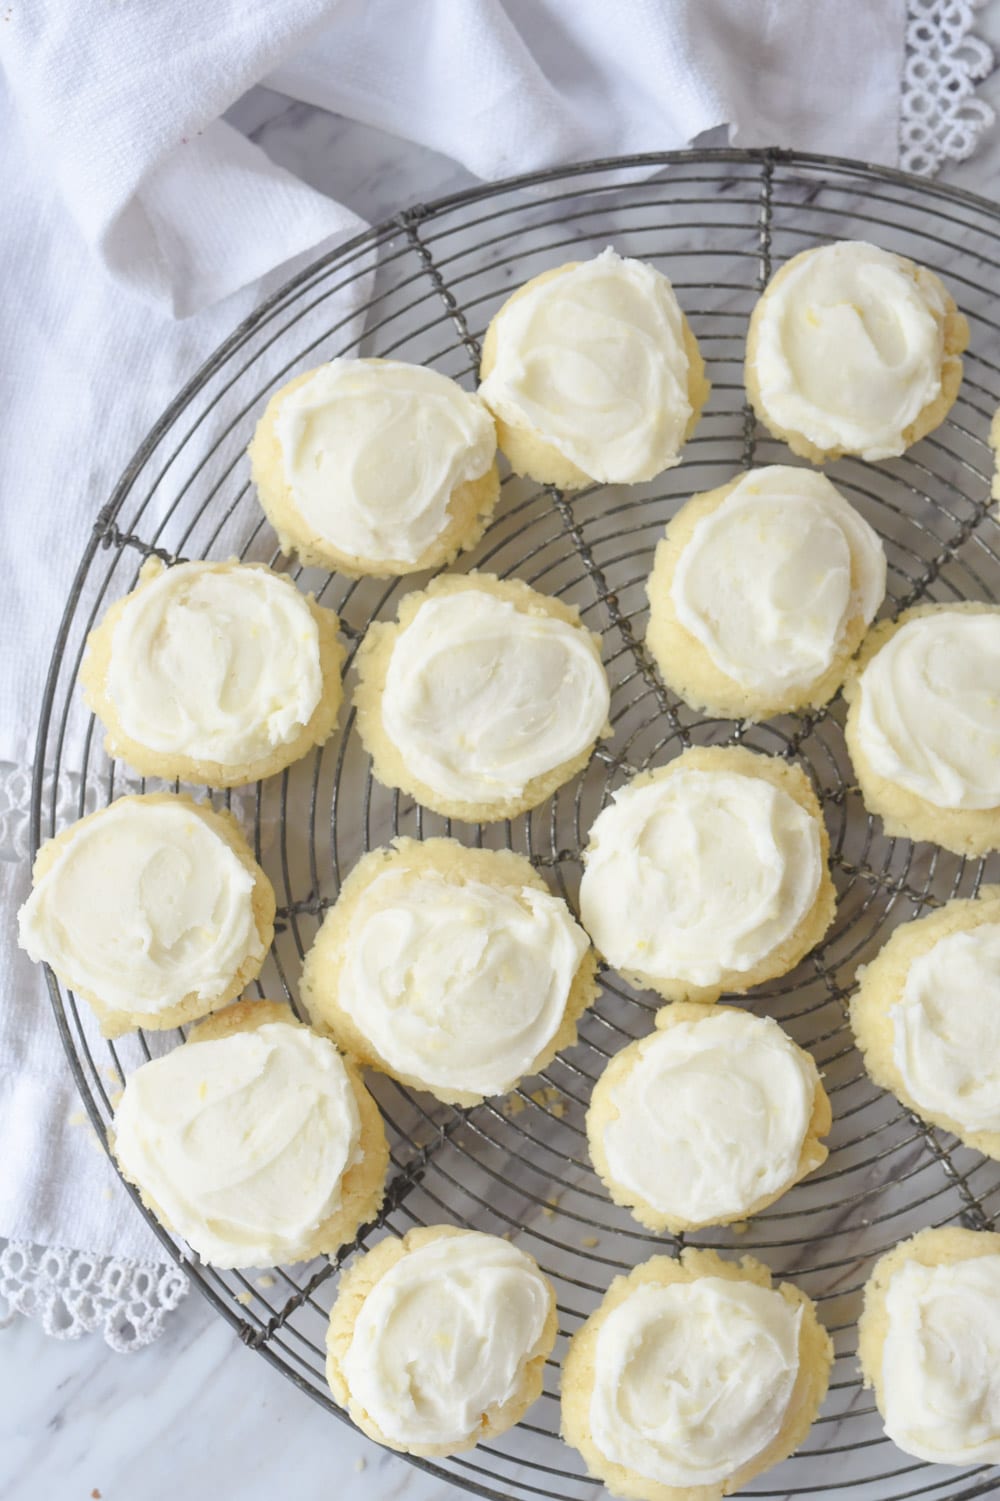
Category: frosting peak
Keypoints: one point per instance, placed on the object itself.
(242, 1142)
(697, 873)
(770, 580)
(594, 360)
(929, 712)
(946, 1028)
(459, 985)
(145, 905)
(941, 1361)
(216, 662)
(850, 345)
(373, 450)
(693, 1379)
(480, 697)
(443, 1338)
(712, 1117)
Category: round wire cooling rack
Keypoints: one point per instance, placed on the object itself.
(422, 287)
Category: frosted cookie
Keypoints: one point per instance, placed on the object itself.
(708, 874)
(923, 728)
(216, 673)
(153, 910)
(926, 1016)
(453, 970)
(375, 467)
(692, 1377)
(929, 1343)
(853, 349)
(592, 373)
(483, 699)
(761, 592)
(255, 1141)
(439, 1340)
(707, 1121)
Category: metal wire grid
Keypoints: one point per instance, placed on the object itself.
(423, 287)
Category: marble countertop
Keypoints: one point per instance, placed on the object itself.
(196, 1415)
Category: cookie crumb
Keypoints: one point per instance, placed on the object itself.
(551, 1098)
(360, 1463)
(265, 1281)
(244, 1297)
(589, 1242)
(95, 1494)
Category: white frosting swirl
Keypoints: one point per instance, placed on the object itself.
(459, 985)
(242, 1142)
(941, 1361)
(143, 907)
(481, 697)
(220, 663)
(373, 449)
(693, 1380)
(697, 873)
(929, 711)
(770, 580)
(849, 348)
(946, 1028)
(594, 361)
(712, 1117)
(442, 1340)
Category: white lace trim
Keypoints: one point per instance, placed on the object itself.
(941, 120)
(72, 1293)
(15, 807)
(15, 804)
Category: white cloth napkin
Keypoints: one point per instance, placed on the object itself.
(138, 226)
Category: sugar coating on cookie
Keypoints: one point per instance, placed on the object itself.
(219, 672)
(708, 874)
(484, 698)
(930, 1345)
(242, 1142)
(595, 361)
(152, 909)
(708, 1120)
(693, 1376)
(439, 1340)
(924, 725)
(376, 466)
(926, 1015)
(761, 591)
(853, 349)
(454, 970)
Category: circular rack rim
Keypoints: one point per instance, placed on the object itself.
(765, 160)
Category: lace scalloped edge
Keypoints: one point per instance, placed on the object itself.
(941, 120)
(72, 1293)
